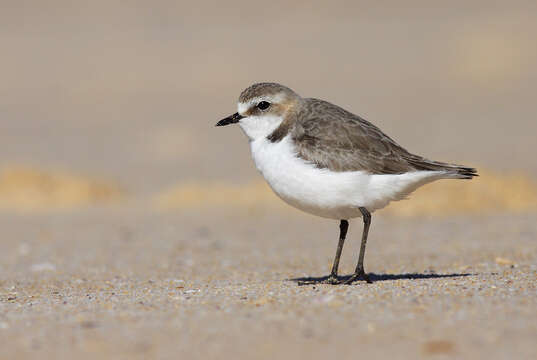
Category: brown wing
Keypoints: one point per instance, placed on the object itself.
(333, 138)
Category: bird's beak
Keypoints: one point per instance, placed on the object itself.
(232, 119)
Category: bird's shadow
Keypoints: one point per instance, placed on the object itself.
(379, 277)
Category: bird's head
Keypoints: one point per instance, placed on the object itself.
(262, 108)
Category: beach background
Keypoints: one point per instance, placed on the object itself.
(132, 227)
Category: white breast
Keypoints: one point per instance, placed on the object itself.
(321, 192)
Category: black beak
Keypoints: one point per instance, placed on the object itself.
(232, 119)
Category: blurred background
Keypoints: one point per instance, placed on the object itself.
(132, 227)
(127, 93)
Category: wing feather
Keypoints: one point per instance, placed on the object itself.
(333, 138)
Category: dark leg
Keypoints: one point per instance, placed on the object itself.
(359, 273)
(343, 227)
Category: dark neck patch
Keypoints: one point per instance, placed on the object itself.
(280, 132)
(289, 113)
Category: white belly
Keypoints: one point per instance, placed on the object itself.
(334, 195)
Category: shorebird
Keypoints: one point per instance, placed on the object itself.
(329, 162)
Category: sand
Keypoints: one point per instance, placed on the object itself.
(212, 285)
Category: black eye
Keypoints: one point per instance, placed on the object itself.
(263, 105)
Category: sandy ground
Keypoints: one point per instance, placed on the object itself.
(131, 227)
(212, 285)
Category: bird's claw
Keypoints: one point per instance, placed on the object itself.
(361, 275)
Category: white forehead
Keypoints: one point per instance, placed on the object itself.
(243, 107)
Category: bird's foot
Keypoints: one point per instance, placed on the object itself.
(359, 275)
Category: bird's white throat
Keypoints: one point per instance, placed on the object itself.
(257, 127)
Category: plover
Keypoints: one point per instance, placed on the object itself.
(329, 162)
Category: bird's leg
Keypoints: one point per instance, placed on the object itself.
(359, 273)
(343, 227)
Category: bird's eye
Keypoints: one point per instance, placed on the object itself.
(263, 105)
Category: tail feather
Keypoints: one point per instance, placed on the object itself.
(453, 171)
(462, 172)
(466, 172)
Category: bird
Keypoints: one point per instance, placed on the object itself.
(329, 162)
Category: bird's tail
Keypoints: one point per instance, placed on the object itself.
(460, 172)
(452, 171)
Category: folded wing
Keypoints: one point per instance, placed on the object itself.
(341, 141)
